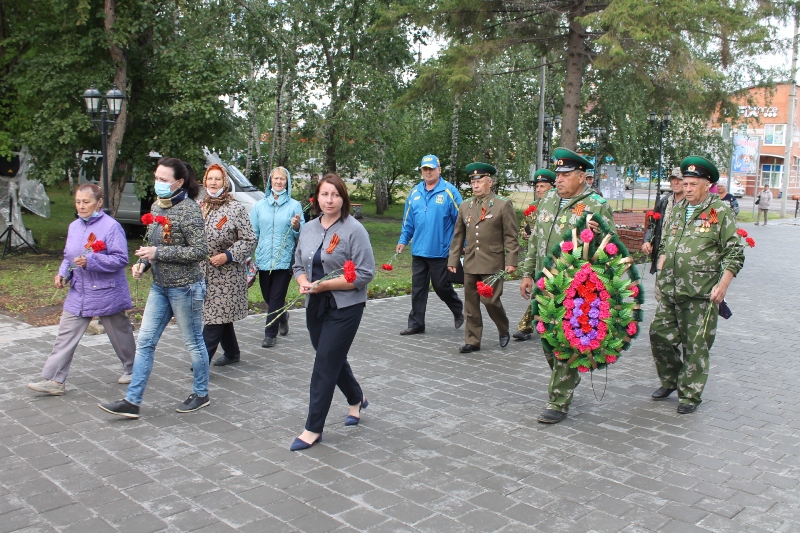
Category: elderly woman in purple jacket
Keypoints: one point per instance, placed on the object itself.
(95, 258)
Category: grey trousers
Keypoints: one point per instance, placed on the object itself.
(71, 329)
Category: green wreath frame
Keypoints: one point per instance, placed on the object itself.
(556, 287)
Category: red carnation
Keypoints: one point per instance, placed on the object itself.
(98, 246)
(161, 220)
(740, 232)
(349, 271)
(484, 290)
(386, 266)
(311, 199)
(750, 242)
(531, 210)
(649, 214)
(656, 216)
(147, 219)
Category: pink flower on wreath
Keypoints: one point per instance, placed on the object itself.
(610, 358)
(556, 353)
(570, 293)
(569, 303)
(611, 248)
(604, 295)
(583, 369)
(566, 246)
(540, 283)
(605, 306)
(581, 276)
(540, 327)
(632, 328)
(587, 235)
(595, 344)
(635, 291)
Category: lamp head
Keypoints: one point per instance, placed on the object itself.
(92, 98)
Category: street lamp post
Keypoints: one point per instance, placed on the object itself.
(597, 132)
(662, 124)
(103, 117)
(549, 123)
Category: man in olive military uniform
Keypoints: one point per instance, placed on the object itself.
(488, 224)
(558, 212)
(699, 255)
(543, 181)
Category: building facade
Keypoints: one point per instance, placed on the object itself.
(763, 123)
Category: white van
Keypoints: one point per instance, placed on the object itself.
(131, 208)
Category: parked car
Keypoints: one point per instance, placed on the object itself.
(665, 186)
(131, 208)
(736, 188)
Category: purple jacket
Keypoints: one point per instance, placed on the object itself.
(100, 289)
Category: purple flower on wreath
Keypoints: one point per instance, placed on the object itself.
(585, 340)
(578, 302)
(593, 322)
(594, 313)
(592, 334)
(574, 322)
(595, 303)
(577, 312)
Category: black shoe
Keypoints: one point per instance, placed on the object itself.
(121, 408)
(469, 348)
(551, 416)
(226, 360)
(283, 325)
(521, 336)
(412, 331)
(686, 408)
(193, 403)
(504, 340)
(661, 393)
(459, 321)
(268, 342)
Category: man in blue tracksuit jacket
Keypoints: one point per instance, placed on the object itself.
(430, 215)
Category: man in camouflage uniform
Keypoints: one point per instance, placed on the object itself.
(557, 213)
(543, 181)
(699, 255)
(488, 224)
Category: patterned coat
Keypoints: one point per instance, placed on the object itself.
(550, 221)
(228, 230)
(698, 252)
(498, 230)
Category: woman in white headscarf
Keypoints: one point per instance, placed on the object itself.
(276, 220)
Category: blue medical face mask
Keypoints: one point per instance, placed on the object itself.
(163, 190)
(93, 215)
(216, 194)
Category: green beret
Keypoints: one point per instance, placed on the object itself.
(544, 175)
(695, 166)
(478, 170)
(567, 161)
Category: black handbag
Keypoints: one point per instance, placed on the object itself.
(458, 275)
(758, 200)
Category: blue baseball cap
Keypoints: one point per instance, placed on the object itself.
(430, 161)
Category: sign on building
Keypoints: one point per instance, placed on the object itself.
(746, 152)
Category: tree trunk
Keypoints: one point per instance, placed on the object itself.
(454, 143)
(116, 179)
(573, 80)
(286, 130)
(277, 122)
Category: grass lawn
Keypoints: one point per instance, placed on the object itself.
(26, 280)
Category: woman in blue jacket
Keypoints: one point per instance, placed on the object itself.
(276, 221)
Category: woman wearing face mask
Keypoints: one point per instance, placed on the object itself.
(230, 240)
(95, 258)
(177, 246)
(276, 220)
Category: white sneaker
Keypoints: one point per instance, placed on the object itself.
(53, 388)
(124, 379)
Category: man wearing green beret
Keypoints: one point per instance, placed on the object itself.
(543, 181)
(699, 255)
(558, 212)
(486, 232)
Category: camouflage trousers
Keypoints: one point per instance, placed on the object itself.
(563, 381)
(681, 340)
(526, 322)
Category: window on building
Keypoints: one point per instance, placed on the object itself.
(774, 134)
(794, 180)
(771, 174)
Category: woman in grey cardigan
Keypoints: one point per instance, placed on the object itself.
(334, 303)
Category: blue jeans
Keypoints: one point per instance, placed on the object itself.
(186, 305)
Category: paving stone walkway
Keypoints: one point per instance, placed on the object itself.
(449, 442)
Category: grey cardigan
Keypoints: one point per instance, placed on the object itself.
(353, 245)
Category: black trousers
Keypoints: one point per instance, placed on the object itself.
(424, 271)
(332, 331)
(216, 334)
(274, 286)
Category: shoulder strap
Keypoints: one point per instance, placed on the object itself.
(450, 194)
